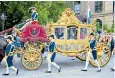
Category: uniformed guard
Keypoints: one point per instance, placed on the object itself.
(34, 17)
(91, 52)
(51, 55)
(9, 56)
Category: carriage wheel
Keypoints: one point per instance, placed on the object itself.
(32, 59)
(82, 56)
(103, 53)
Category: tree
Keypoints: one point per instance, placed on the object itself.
(16, 11)
(108, 30)
(112, 28)
(49, 11)
(97, 26)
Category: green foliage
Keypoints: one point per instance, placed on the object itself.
(15, 11)
(107, 29)
(49, 11)
(112, 28)
(97, 26)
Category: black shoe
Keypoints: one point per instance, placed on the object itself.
(6, 74)
(45, 57)
(59, 70)
(48, 72)
(112, 69)
(84, 70)
(99, 70)
(17, 71)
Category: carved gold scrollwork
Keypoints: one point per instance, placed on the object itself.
(49, 29)
(71, 47)
(68, 17)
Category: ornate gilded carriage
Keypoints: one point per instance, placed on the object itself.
(33, 36)
(71, 37)
(72, 40)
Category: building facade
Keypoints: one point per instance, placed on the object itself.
(101, 11)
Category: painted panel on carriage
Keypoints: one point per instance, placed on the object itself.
(59, 33)
(70, 47)
(72, 33)
(83, 33)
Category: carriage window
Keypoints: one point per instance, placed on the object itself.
(72, 33)
(83, 33)
(59, 33)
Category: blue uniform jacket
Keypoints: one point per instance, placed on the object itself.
(93, 44)
(52, 49)
(34, 16)
(10, 49)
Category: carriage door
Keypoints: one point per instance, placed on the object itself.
(59, 32)
(71, 33)
(72, 36)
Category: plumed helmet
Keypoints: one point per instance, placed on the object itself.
(92, 34)
(52, 36)
(9, 37)
(30, 9)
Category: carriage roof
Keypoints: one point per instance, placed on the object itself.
(67, 18)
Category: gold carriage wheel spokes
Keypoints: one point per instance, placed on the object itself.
(99, 47)
(32, 65)
(106, 50)
(103, 56)
(101, 62)
(104, 59)
(82, 56)
(26, 57)
(32, 59)
(27, 62)
(106, 53)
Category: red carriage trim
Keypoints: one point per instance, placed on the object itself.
(5, 31)
(34, 32)
(34, 39)
(35, 22)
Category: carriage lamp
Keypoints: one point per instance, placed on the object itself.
(3, 18)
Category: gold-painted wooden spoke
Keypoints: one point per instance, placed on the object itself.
(27, 57)
(82, 56)
(99, 47)
(101, 62)
(26, 62)
(31, 65)
(103, 56)
(32, 60)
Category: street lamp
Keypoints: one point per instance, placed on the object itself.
(3, 18)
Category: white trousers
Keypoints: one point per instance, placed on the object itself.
(114, 62)
(12, 67)
(89, 55)
(51, 63)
